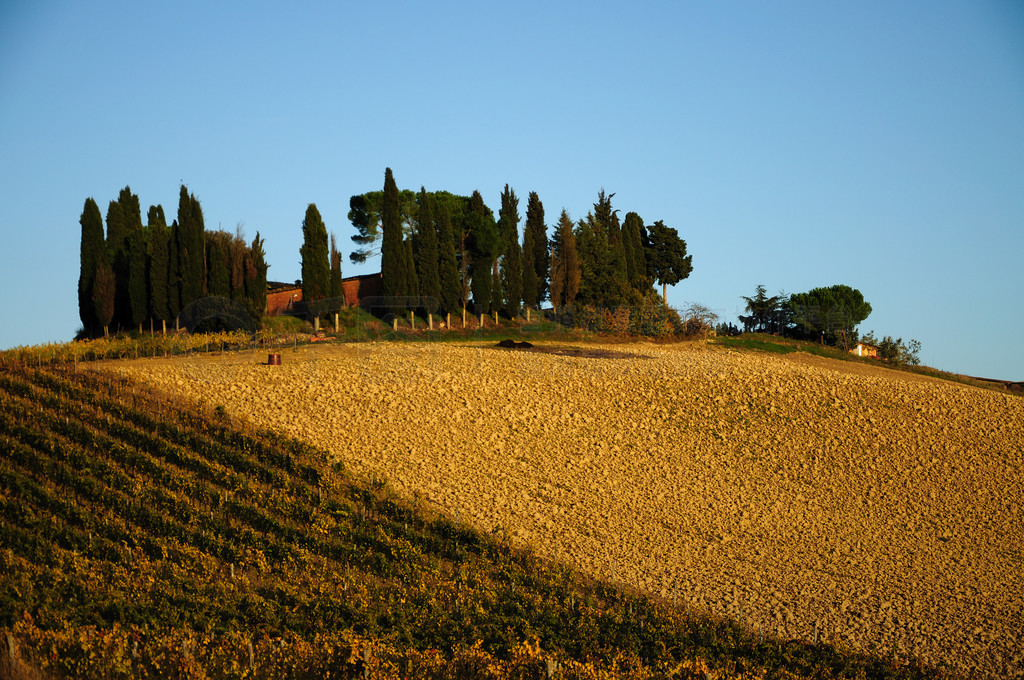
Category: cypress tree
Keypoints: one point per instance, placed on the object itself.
(198, 237)
(412, 284)
(512, 261)
(497, 290)
(337, 289)
(483, 244)
(191, 244)
(601, 256)
(155, 216)
(173, 271)
(565, 264)
(236, 263)
(116, 260)
(92, 247)
(138, 266)
(531, 296)
(103, 289)
(256, 279)
(131, 306)
(428, 257)
(539, 241)
(448, 271)
(393, 270)
(316, 267)
(218, 273)
(159, 237)
(632, 242)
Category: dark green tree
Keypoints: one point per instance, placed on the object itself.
(667, 261)
(191, 244)
(218, 272)
(138, 275)
(765, 314)
(535, 254)
(131, 301)
(159, 257)
(601, 256)
(394, 270)
(337, 292)
(316, 266)
(633, 246)
(483, 245)
(103, 289)
(365, 215)
(448, 270)
(236, 261)
(427, 254)
(173, 271)
(117, 260)
(565, 265)
(512, 259)
(256, 279)
(92, 248)
(412, 284)
(830, 315)
(155, 215)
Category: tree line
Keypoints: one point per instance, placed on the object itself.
(442, 252)
(132, 273)
(828, 314)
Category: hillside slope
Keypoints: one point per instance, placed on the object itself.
(880, 509)
(145, 537)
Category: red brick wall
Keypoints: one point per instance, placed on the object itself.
(280, 301)
(360, 287)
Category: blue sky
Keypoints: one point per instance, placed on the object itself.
(794, 144)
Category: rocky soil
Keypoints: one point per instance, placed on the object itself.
(793, 493)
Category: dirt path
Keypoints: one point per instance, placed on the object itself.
(792, 493)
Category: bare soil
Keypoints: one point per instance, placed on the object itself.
(790, 492)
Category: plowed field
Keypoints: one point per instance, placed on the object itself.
(795, 493)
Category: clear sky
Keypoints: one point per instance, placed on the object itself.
(792, 144)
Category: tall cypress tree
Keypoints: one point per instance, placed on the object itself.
(316, 267)
(531, 296)
(92, 247)
(632, 242)
(117, 261)
(173, 271)
(483, 245)
(256, 279)
(428, 258)
(393, 270)
(538, 239)
(218, 273)
(132, 298)
(138, 266)
(191, 244)
(565, 264)
(448, 270)
(512, 260)
(103, 289)
(236, 264)
(412, 284)
(337, 289)
(159, 237)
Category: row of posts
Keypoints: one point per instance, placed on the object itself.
(430, 320)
